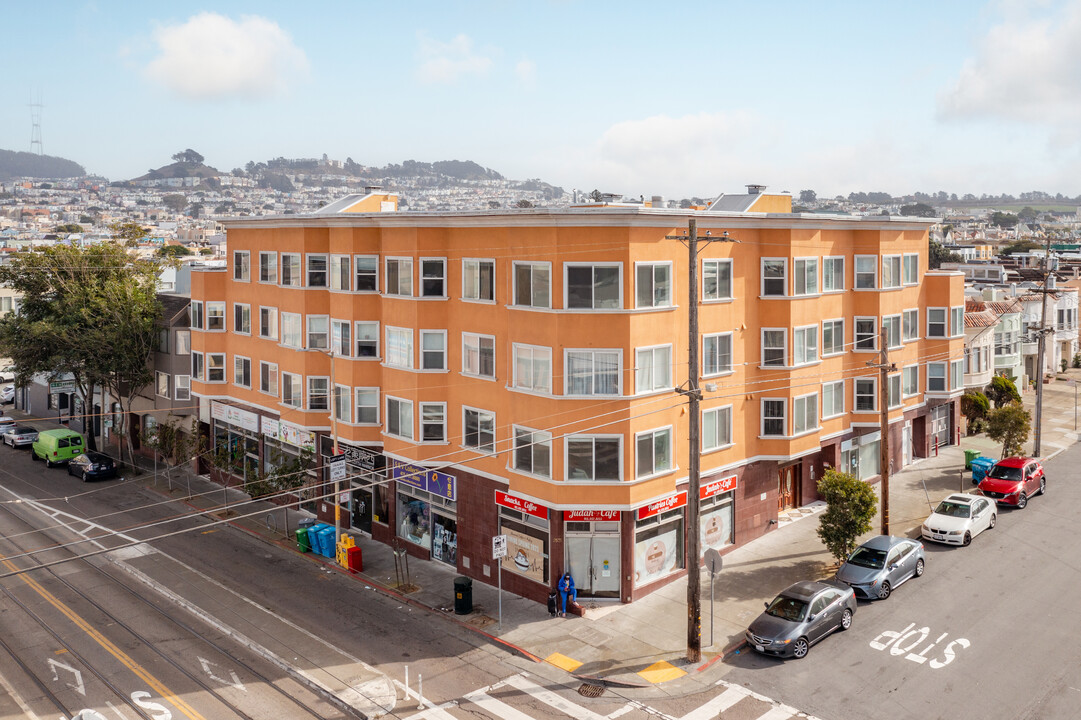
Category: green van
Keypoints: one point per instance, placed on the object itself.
(56, 447)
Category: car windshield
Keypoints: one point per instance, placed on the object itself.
(787, 608)
(868, 558)
(1000, 472)
(952, 509)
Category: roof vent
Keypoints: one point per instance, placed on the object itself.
(755, 189)
(372, 188)
(611, 197)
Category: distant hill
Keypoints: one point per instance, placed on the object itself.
(23, 164)
(179, 170)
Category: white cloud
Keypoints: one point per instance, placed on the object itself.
(1025, 68)
(526, 71)
(445, 63)
(211, 56)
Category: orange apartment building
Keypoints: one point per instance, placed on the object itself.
(513, 372)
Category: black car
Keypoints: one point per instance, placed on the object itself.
(92, 466)
(800, 616)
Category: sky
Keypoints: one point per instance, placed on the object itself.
(661, 98)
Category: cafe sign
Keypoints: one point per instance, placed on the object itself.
(716, 487)
(662, 506)
(521, 504)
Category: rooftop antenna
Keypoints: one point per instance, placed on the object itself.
(35, 118)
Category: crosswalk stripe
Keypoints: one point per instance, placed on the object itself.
(716, 705)
(436, 712)
(495, 707)
(550, 698)
(781, 712)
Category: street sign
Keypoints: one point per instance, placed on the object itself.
(713, 561)
(337, 467)
(62, 386)
(499, 546)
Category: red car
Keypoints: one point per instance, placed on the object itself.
(1014, 480)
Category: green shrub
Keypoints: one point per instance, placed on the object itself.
(850, 506)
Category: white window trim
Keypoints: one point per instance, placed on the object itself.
(446, 352)
(900, 270)
(818, 276)
(378, 357)
(276, 392)
(900, 389)
(387, 329)
(945, 323)
(378, 275)
(817, 415)
(514, 283)
(945, 378)
(762, 277)
(567, 377)
(241, 332)
(917, 372)
(337, 391)
(386, 414)
(224, 315)
(282, 375)
(157, 384)
(855, 336)
(822, 334)
(350, 346)
(224, 368)
(915, 281)
(308, 268)
(274, 314)
(855, 395)
(269, 254)
(300, 270)
(356, 406)
(856, 273)
(823, 273)
(514, 368)
(308, 393)
(818, 346)
(308, 334)
(594, 437)
(900, 318)
(731, 351)
(762, 418)
(762, 344)
(495, 280)
(386, 276)
(619, 284)
(731, 280)
(949, 327)
(495, 431)
(917, 335)
(638, 391)
(514, 451)
(671, 452)
(235, 381)
(731, 429)
(420, 273)
(421, 423)
(331, 274)
(478, 336)
(179, 386)
(822, 404)
(671, 285)
(281, 330)
(246, 253)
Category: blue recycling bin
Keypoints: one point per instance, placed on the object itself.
(980, 468)
(313, 537)
(326, 541)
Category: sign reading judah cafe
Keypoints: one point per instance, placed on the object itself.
(588, 515)
(716, 487)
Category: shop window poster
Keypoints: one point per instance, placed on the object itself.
(525, 555)
(656, 557)
(716, 528)
(416, 521)
(445, 544)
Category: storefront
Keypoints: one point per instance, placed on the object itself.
(658, 539)
(526, 525)
(285, 443)
(860, 455)
(236, 438)
(427, 509)
(716, 512)
(591, 541)
(365, 468)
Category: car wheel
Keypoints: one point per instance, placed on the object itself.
(1022, 501)
(994, 519)
(800, 648)
(885, 590)
(968, 539)
(69, 470)
(1043, 485)
(48, 463)
(919, 563)
(33, 455)
(846, 619)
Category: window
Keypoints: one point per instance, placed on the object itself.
(936, 322)
(318, 332)
(533, 285)
(433, 422)
(910, 383)
(593, 287)
(400, 276)
(340, 342)
(653, 452)
(292, 390)
(367, 269)
(653, 285)
(197, 314)
(242, 371)
(866, 272)
(957, 321)
(653, 369)
(215, 316)
(268, 267)
(774, 277)
(367, 405)
(833, 398)
(936, 377)
(533, 368)
(911, 270)
(866, 394)
(716, 428)
(593, 458)
(716, 280)
(478, 355)
(892, 324)
(400, 418)
(400, 347)
(163, 340)
(183, 342)
(291, 270)
(268, 378)
(805, 413)
(773, 417)
(866, 334)
(891, 271)
(833, 337)
(479, 429)
(318, 391)
(774, 347)
(716, 354)
(197, 365)
(367, 339)
(533, 452)
(893, 391)
(183, 387)
(833, 274)
(292, 330)
(805, 276)
(242, 265)
(910, 325)
(341, 277)
(268, 323)
(215, 367)
(433, 349)
(162, 384)
(242, 318)
(592, 372)
(957, 375)
(478, 280)
(317, 271)
(341, 402)
(433, 277)
(805, 345)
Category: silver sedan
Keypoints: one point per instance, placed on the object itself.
(20, 435)
(876, 568)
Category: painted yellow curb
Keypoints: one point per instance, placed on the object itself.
(563, 662)
(661, 671)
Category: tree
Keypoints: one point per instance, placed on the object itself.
(523, 203)
(1002, 391)
(974, 406)
(1003, 220)
(188, 156)
(850, 506)
(175, 202)
(129, 232)
(1019, 246)
(1027, 215)
(173, 251)
(807, 196)
(596, 195)
(69, 228)
(1010, 425)
(918, 210)
(938, 254)
(206, 251)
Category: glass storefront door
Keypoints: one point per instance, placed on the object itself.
(593, 552)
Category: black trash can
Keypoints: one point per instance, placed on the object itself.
(463, 595)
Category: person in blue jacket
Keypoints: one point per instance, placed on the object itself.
(566, 588)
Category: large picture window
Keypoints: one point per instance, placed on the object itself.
(478, 280)
(592, 457)
(592, 372)
(533, 285)
(593, 287)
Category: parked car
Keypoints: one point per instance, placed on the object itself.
(56, 446)
(92, 466)
(802, 615)
(1014, 480)
(876, 568)
(6, 423)
(20, 435)
(7, 394)
(959, 518)
(7, 374)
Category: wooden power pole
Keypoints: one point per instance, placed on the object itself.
(1041, 349)
(884, 367)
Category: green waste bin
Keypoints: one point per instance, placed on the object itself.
(303, 543)
(970, 455)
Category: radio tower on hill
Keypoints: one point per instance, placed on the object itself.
(35, 133)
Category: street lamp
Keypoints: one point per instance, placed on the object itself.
(333, 404)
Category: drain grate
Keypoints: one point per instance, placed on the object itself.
(591, 691)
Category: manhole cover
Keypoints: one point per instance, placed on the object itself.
(591, 691)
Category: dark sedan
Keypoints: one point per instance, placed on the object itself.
(92, 466)
(800, 616)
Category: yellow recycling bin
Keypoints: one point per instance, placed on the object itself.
(344, 543)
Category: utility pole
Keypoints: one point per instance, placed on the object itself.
(1041, 348)
(884, 367)
(694, 397)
